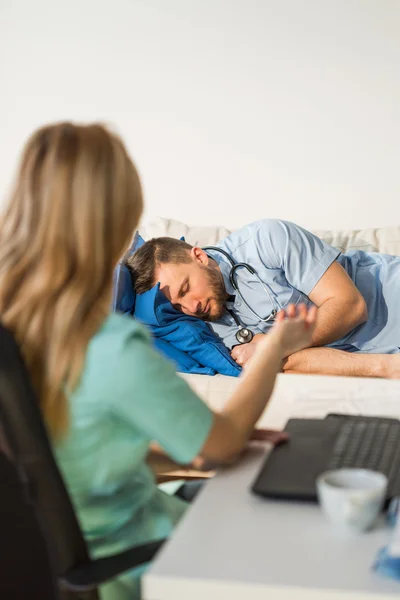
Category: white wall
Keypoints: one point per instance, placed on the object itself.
(233, 109)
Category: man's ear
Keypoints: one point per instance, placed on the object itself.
(199, 255)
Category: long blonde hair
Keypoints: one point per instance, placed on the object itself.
(76, 203)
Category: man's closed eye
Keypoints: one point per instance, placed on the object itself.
(184, 290)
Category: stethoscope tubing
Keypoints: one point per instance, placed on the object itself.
(245, 335)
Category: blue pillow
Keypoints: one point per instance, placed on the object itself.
(182, 361)
(123, 291)
(124, 294)
(185, 333)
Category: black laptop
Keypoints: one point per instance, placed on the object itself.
(318, 445)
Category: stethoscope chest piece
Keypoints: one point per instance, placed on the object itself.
(244, 335)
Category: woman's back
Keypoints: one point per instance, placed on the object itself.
(128, 396)
(74, 208)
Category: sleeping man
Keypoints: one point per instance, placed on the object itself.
(240, 285)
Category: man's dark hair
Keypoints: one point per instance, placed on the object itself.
(144, 262)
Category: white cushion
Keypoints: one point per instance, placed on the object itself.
(385, 239)
(308, 396)
(195, 235)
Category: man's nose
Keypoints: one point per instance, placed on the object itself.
(192, 305)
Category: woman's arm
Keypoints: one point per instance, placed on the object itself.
(147, 393)
(233, 426)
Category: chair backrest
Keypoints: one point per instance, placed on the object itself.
(26, 570)
(30, 450)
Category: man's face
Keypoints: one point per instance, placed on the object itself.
(196, 288)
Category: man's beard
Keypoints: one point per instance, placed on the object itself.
(218, 295)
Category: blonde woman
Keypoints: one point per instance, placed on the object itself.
(105, 394)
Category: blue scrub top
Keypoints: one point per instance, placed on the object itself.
(291, 261)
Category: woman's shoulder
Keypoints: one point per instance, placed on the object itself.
(113, 357)
(120, 334)
(119, 328)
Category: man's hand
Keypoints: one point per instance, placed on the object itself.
(243, 352)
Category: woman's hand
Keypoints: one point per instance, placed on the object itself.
(272, 436)
(293, 329)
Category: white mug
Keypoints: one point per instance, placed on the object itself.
(352, 498)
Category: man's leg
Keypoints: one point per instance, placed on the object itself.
(328, 361)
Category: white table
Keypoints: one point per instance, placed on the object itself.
(233, 545)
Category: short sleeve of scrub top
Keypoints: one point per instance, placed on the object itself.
(149, 394)
(302, 256)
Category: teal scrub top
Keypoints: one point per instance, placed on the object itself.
(128, 396)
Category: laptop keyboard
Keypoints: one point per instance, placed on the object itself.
(368, 444)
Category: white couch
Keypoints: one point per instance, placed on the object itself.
(299, 395)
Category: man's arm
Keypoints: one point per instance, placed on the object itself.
(310, 266)
(328, 361)
(341, 307)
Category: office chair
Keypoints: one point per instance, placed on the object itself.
(28, 446)
(25, 567)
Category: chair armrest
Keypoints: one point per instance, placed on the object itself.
(101, 570)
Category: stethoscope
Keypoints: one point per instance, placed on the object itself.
(244, 335)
